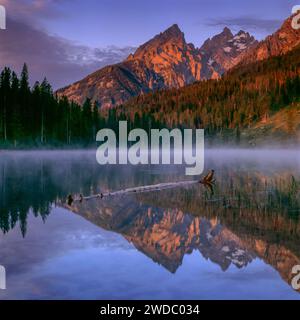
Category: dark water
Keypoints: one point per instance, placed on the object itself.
(239, 240)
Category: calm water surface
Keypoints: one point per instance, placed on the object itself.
(238, 240)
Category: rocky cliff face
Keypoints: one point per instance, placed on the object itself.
(166, 61)
(282, 41)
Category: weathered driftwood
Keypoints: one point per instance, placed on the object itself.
(207, 181)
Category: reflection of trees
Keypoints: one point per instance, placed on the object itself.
(237, 193)
(251, 204)
(32, 183)
(23, 188)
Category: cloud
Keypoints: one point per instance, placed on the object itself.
(60, 60)
(32, 10)
(247, 23)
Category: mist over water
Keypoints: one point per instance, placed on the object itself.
(239, 239)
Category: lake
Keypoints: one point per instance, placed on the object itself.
(238, 239)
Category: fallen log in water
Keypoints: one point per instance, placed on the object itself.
(207, 181)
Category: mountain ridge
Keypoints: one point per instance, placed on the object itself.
(165, 61)
(280, 42)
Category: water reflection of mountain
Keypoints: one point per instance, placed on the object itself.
(166, 235)
(165, 228)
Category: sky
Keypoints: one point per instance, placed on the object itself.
(67, 39)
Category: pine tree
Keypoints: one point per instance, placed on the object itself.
(16, 121)
(24, 99)
(5, 92)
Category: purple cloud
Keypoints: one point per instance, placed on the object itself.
(247, 23)
(60, 60)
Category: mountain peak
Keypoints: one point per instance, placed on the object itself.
(227, 32)
(171, 35)
(224, 50)
(174, 30)
(242, 32)
(217, 41)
